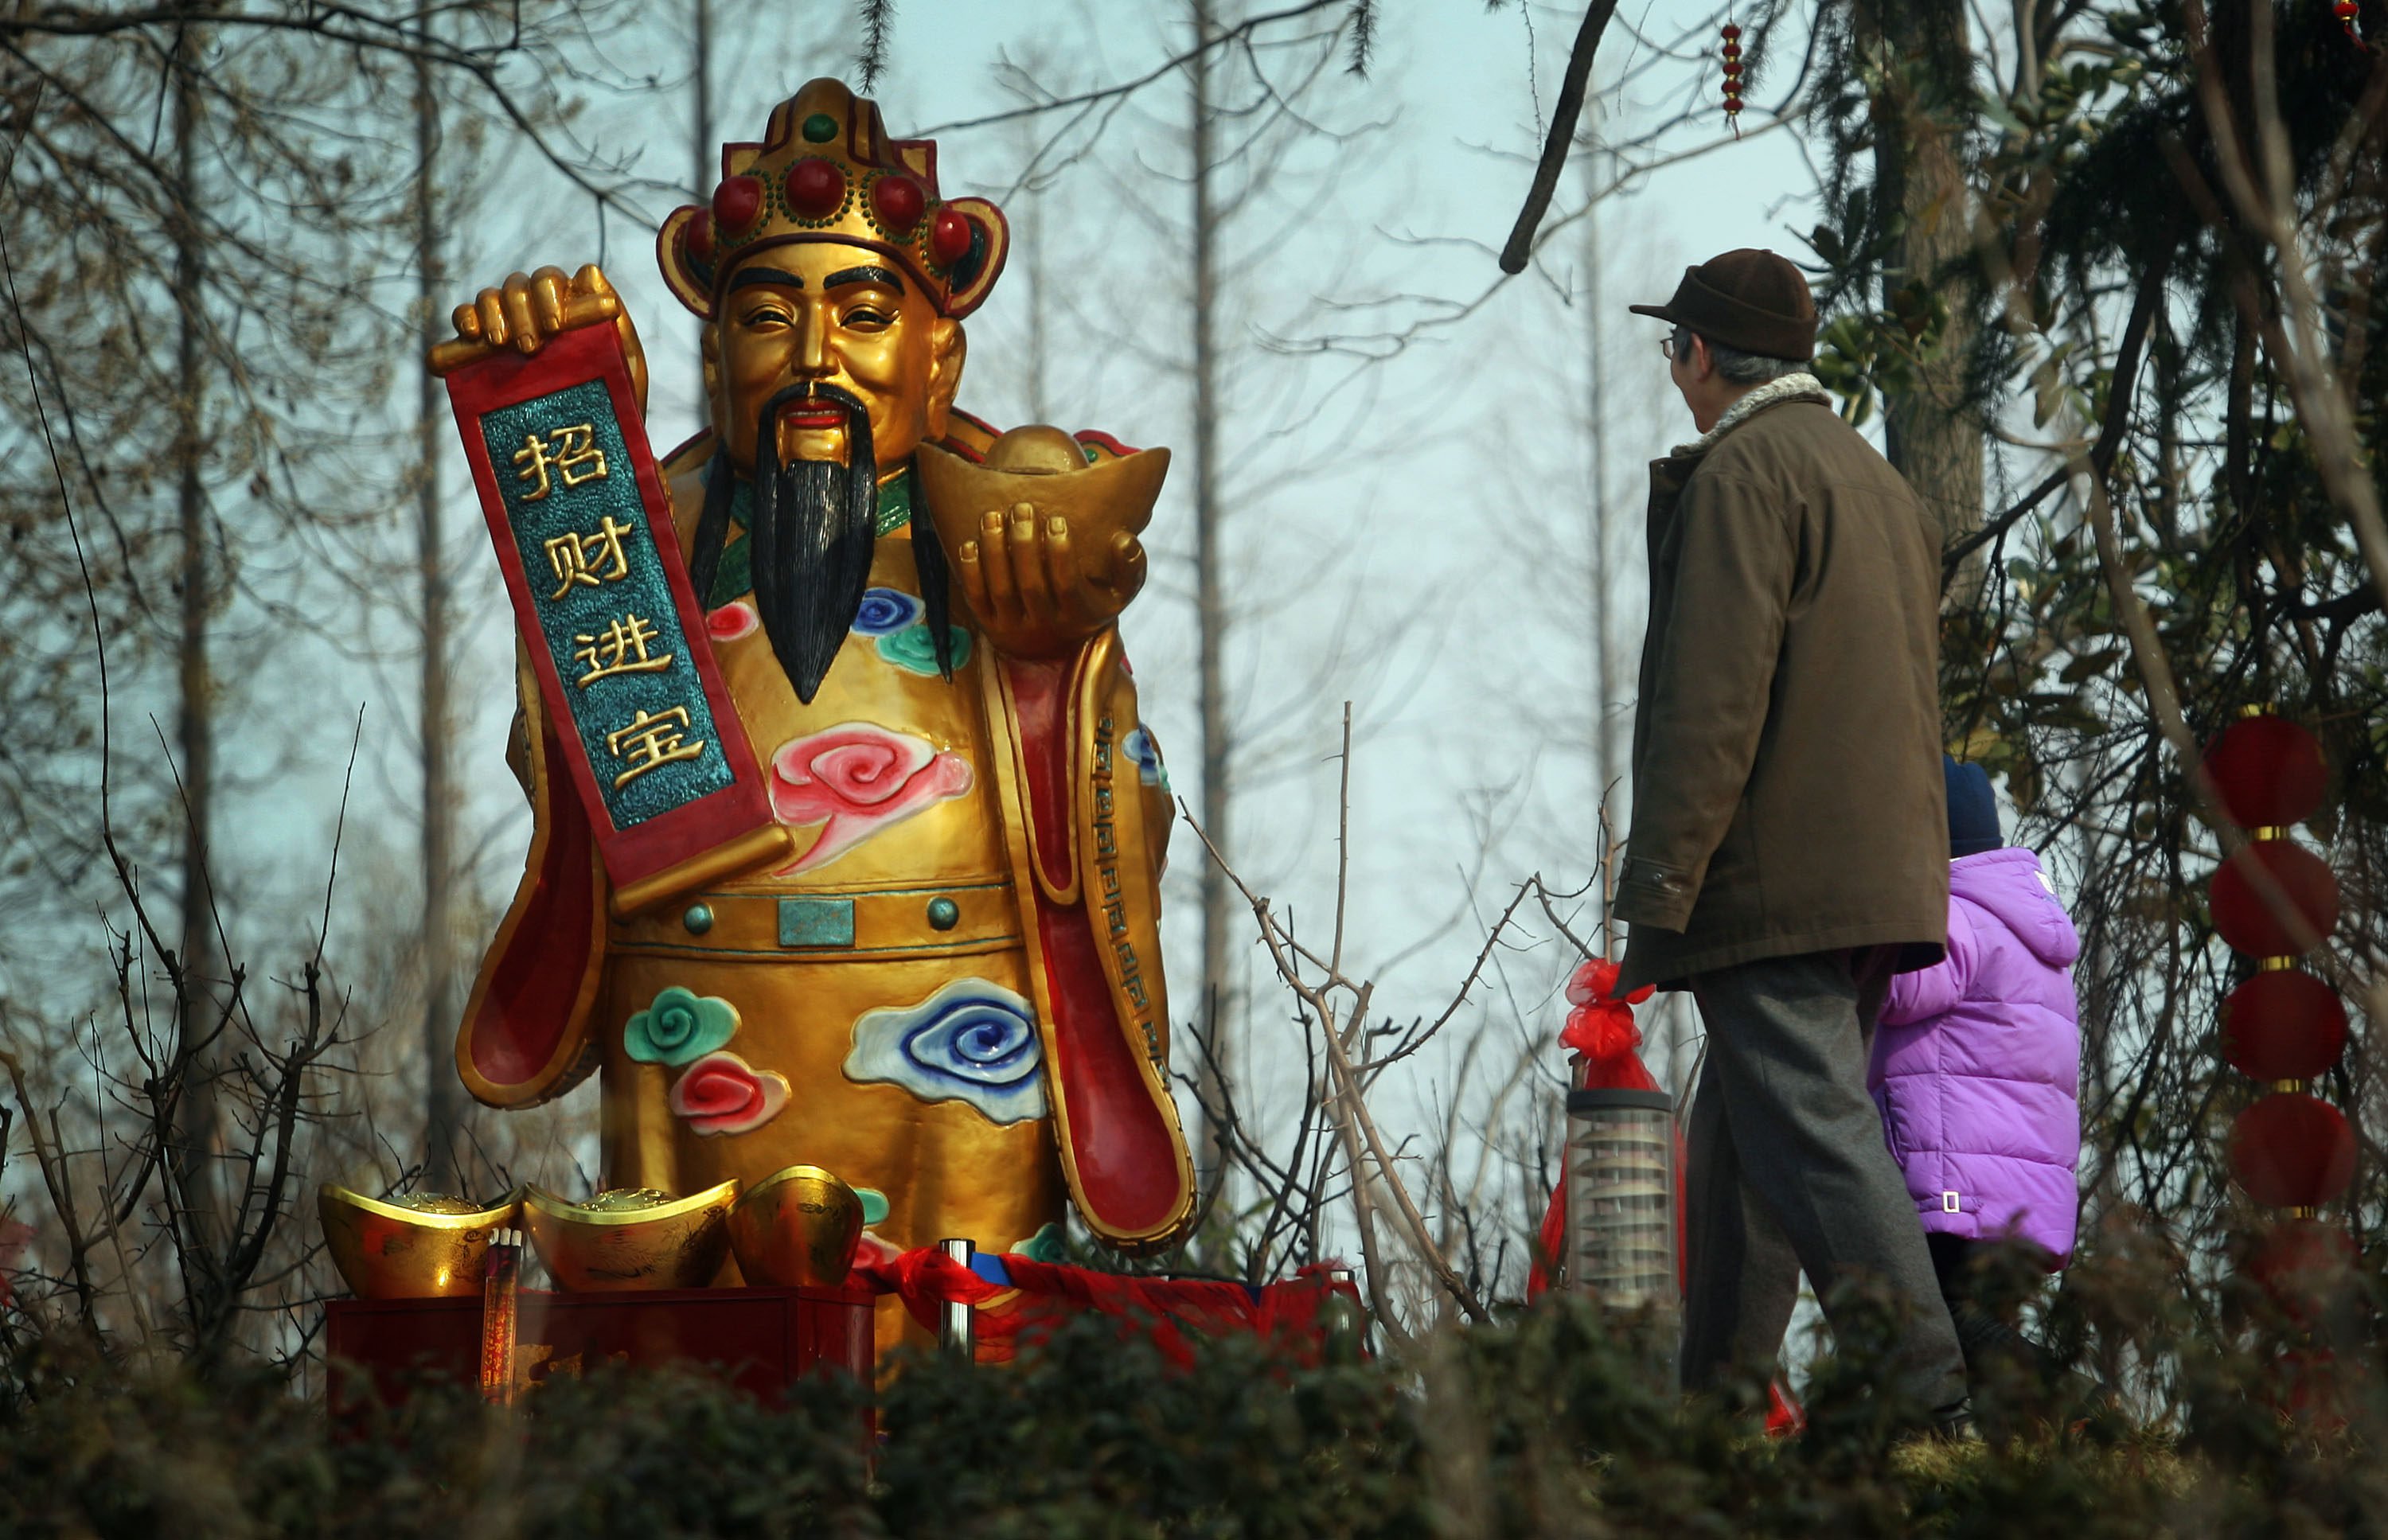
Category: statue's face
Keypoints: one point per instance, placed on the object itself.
(825, 313)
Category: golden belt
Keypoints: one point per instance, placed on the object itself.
(952, 920)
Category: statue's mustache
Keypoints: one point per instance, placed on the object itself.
(791, 399)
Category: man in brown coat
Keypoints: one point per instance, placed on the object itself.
(1789, 847)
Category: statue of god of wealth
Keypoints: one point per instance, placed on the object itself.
(949, 992)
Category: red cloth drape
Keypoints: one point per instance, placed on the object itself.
(1165, 1311)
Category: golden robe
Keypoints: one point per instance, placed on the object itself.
(951, 997)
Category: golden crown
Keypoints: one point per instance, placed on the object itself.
(826, 170)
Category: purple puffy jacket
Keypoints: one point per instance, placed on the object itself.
(1977, 1062)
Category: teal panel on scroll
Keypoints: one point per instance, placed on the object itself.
(604, 605)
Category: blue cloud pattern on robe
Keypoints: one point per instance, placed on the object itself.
(971, 1042)
(885, 611)
(1145, 754)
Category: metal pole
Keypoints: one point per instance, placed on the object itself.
(1346, 1323)
(956, 1326)
(501, 1270)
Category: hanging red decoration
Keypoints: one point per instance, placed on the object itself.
(2292, 1150)
(2248, 924)
(2300, 1264)
(2284, 1025)
(1731, 52)
(2346, 10)
(2269, 772)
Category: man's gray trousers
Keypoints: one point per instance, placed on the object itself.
(1788, 1171)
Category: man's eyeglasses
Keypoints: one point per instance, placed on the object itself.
(1666, 346)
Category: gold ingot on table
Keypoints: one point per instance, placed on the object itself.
(798, 1228)
(631, 1237)
(427, 1246)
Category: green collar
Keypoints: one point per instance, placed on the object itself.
(895, 502)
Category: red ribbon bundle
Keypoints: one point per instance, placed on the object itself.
(1601, 1031)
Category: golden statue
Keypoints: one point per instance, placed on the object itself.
(949, 993)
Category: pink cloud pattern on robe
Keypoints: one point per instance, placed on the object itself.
(732, 621)
(723, 1093)
(855, 779)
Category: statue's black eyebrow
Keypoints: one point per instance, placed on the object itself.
(746, 276)
(863, 275)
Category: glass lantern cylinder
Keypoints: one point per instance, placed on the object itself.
(1620, 1202)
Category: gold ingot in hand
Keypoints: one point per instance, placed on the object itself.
(798, 1228)
(1068, 559)
(427, 1246)
(631, 1237)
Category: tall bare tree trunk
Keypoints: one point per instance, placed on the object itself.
(1209, 602)
(1031, 246)
(194, 724)
(442, 1104)
(1597, 576)
(706, 157)
(1932, 433)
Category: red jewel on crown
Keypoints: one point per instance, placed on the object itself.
(700, 235)
(950, 238)
(735, 204)
(816, 189)
(898, 203)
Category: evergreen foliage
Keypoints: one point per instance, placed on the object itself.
(1546, 1424)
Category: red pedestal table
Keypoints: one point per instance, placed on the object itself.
(763, 1341)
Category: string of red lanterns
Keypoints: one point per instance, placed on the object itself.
(1731, 55)
(2282, 1026)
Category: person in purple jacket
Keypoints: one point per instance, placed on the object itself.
(1977, 1069)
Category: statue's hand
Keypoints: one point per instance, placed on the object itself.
(525, 312)
(1038, 594)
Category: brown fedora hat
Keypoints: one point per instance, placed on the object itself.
(1750, 300)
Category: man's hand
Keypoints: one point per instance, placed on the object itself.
(1034, 592)
(525, 312)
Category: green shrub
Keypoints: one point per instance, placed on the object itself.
(1544, 1424)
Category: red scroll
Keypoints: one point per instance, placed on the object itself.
(583, 531)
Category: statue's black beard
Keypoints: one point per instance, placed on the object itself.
(814, 522)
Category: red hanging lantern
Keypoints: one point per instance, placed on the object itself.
(1731, 52)
(2283, 1025)
(2269, 772)
(2346, 11)
(2248, 924)
(2299, 1263)
(2292, 1150)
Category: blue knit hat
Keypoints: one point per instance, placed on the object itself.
(1973, 810)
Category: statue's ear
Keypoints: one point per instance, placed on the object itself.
(949, 348)
(710, 350)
